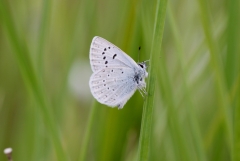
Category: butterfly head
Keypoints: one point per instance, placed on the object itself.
(144, 66)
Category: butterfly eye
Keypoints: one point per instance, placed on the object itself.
(140, 65)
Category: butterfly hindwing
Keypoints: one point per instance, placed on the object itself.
(112, 86)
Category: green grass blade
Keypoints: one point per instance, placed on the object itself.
(146, 126)
(192, 118)
(31, 79)
(43, 32)
(217, 69)
(232, 69)
(182, 150)
(236, 146)
(86, 138)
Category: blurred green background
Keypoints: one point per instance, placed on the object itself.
(48, 113)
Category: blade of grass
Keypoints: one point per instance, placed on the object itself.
(31, 79)
(78, 35)
(146, 126)
(44, 24)
(190, 107)
(219, 119)
(236, 146)
(232, 42)
(182, 150)
(86, 138)
(46, 6)
(232, 69)
(218, 72)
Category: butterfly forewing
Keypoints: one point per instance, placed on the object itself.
(104, 54)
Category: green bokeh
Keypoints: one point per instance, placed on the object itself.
(48, 113)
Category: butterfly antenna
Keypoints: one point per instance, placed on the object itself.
(139, 52)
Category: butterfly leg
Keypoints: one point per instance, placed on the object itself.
(141, 92)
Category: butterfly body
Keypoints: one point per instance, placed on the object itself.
(116, 76)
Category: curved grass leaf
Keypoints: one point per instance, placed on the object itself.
(32, 79)
(146, 126)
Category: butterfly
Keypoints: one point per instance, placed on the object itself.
(116, 76)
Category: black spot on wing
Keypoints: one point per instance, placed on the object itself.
(114, 56)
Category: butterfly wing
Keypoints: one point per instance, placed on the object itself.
(104, 54)
(113, 86)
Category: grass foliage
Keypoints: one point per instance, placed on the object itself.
(191, 112)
